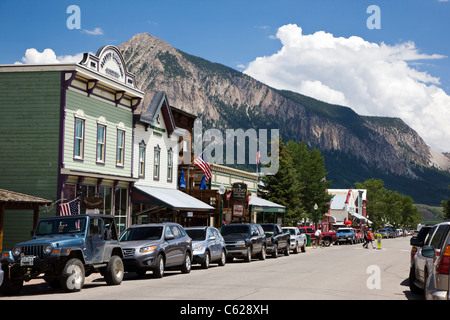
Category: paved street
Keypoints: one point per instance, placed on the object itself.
(338, 272)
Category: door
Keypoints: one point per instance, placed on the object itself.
(170, 247)
(95, 240)
(213, 243)
(256, 239)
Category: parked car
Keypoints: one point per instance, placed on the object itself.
(298, 240)
(438, 281)
(244, 241)
(208, 246)
(423, 264)
(327, 237)
(156, 247)
(65, 250)
(346, 235)
(277, 240)
(418, 241)
(308, 230)
(384, 233)
(1, 276)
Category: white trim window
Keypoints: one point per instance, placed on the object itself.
(142, 149)
(120, 148)
(78, 149)
(169, 165)
(156, 163)
(101, 143)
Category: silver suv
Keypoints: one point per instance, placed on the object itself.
(437, 282)
(155, 247)
(424, 262)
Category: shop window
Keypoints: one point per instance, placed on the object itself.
(120, 208)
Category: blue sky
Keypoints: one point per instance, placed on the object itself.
(236, 33)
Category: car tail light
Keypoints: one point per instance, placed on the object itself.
(444, 263)
(413, 252)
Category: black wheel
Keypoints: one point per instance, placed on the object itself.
(205, 264)
(114, 271)
(304, 247)
(412, 278)
(262, 254)
(248, 257)
(159, 270)
(11, 285)
(186, 267)
(287, 251)
(223, 258)
(295, 251)
(275, 251)
(72, 276)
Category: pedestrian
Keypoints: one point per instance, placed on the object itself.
(318, 235)
(369, 239)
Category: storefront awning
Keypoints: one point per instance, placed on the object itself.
(259, 205)
(358, 216)
(173, 199)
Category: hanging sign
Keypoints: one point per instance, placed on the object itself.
(239, 191)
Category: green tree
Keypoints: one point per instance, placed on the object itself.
(445, 204)
(283, 187)
(386, 206)
(310, 172)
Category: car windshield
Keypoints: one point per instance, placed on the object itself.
(291, 231)
(196, 234)
(61, 226)
(343, 231)
(235, 230)
(142, 233)
(268, 229)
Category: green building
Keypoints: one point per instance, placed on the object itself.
(66, 132)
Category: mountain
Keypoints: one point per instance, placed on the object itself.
(356, 148)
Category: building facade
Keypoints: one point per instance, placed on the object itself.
(67, 133)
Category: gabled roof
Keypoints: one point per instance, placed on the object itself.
(159, 103)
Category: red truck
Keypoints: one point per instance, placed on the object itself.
(327, 237)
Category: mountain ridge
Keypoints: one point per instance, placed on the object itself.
(227, 98)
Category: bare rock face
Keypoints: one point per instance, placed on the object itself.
(227, 98)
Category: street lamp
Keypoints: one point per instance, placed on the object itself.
(221, 192)
(315, 214)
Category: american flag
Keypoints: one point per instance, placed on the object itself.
(69, 208)
(203, 164)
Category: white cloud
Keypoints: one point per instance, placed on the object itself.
(371, 78)
(95, 32)
(48, 56)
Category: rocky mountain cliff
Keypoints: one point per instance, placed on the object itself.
(226, 98)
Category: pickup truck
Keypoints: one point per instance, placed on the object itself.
(277, 240)
(65, 250)
(346, 235)
(327, 237)
(244, 241)
(298, 240)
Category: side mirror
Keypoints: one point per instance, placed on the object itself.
(414, 241)
(428, 252)
(169, 237)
